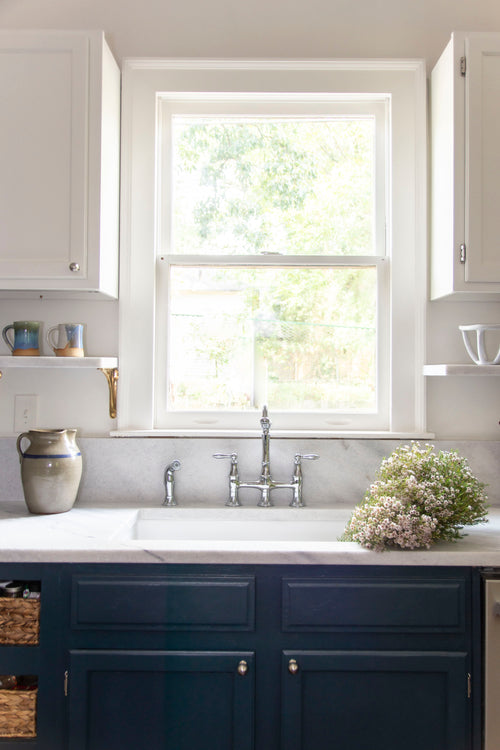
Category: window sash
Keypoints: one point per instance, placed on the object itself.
(268, 105)
(377, 419)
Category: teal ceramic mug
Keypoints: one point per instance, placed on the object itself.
(25, 340)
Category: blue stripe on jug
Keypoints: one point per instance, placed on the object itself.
(51, 455)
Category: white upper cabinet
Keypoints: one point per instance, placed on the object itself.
(59, 157)
(465, 180)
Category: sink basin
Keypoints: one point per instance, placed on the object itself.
(245, 524)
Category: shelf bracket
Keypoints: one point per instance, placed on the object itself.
(111, 375)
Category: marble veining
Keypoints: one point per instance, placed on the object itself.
(122, 476)
(96, 534)
(118, 470)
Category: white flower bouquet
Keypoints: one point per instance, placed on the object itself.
(419, 497)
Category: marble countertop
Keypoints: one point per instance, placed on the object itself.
(103, 534)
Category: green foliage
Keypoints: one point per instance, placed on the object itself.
(294, 186)
(297, 186)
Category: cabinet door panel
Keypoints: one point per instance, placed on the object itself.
(382, 605)
(166, 602)
(482, 158)
(374, 701)
(124, 700)
(44, 80)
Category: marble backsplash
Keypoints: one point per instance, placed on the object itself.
(130, 470)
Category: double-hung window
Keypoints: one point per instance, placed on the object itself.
(265, 258)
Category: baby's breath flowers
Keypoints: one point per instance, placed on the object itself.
(418, 497)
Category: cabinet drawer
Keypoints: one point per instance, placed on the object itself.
(166, 603)
(369, 605)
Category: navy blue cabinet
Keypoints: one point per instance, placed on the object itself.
(374, 700)
(252, 657)
(383, 660)
(41, 719)
(171, 700)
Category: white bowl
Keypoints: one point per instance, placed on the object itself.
(479, 354)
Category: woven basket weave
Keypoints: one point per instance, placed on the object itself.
(18, 713)
(19, 621)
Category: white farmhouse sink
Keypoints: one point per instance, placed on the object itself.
(244, 524)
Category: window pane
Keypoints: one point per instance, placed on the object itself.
(294, 186)
(294, 338)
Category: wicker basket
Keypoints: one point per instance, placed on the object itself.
(18, 713)
(19, 621)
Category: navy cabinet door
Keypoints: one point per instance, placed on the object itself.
(373, 700)
(161, 700)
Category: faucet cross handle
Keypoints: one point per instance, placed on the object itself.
(297, 479)
(305, 457)
(234, 480)
(232, 456)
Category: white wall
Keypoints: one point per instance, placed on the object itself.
(457, 407)
(262, 28)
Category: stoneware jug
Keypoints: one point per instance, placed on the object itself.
(51, 469)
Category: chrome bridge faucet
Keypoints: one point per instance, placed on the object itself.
(265, 484)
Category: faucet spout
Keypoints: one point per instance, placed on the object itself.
(265, 424)
(265, 483)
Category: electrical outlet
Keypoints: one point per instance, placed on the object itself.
(25, 412)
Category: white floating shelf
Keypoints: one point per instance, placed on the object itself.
(107, 365)
(462, 370)
(73, 362)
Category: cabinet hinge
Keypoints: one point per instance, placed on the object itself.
(463, 253)
(66, 681)
(463, 66)
(469, 685)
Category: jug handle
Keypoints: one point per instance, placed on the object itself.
(18, 444)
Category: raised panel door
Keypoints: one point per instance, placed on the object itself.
(482, 106)
(43, 154)
(184, 700)
(374, 700)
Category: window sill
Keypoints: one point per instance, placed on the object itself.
(283, 434)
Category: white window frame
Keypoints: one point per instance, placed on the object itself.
(403, 84)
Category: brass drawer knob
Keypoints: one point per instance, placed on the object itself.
(293, 667)
(242, 667)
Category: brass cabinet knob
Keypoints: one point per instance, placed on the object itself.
(242, 667)
(293, 667)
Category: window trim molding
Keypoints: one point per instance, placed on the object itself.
(404, 80)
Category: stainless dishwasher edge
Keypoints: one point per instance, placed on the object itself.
(492, 664)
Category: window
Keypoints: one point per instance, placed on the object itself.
(272, 215)
(259, 262)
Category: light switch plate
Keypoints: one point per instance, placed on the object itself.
(25, 412)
